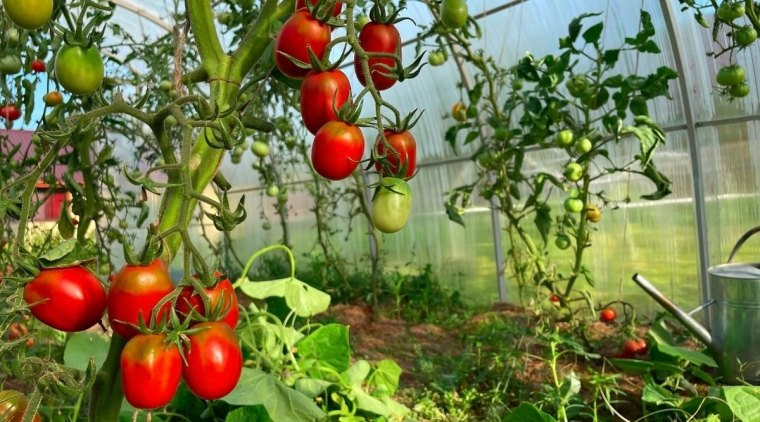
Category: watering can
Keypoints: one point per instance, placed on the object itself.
(734, 316)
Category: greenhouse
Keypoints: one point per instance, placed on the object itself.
(379, 210)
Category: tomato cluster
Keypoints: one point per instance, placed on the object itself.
(327, 106)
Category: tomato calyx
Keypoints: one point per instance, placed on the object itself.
(386, 16)
(326, 11)
(398, 160)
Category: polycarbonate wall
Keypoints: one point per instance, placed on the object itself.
(659, 239)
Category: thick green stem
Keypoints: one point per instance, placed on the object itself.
(107, 394)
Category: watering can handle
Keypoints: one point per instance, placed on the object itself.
(740, 242)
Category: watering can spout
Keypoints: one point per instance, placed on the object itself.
(695, 327)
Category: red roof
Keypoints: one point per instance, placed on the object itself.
(24, 138)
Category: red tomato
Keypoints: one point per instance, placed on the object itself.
(148, 361)
(634, 347)
(607, 315)
(323, 93)
(301, 4)
(403, 155)
(554, 299)
(13, 404)
(135, 291)
(378, 38)
(214, 361)
(67, 299)
(37, 66)
(10, 112)
(221, 298)
(338, 147)
(299, 33)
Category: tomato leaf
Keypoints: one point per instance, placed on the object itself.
(357, 373)
(692, 356)
(593, 34)
(249, 414)
(281, 402)
(311, 387)
(329, 345)
(83, 346)
(301, 298)
(657, 395)
(453, 212)
(527, 412)
(744, 402)
(543, 221)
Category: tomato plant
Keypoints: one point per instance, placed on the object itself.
(221, 299)
(134, 292)
(391, 205)
(454, 13)
(10, 112)
(337, 149)
(573, 171)
(214, 361)
(378, 38)
(731, 75)
(322, 95)
(564, 138)
(401, 157)
(79, 69)
(301, 33)
(29, 14)
(745, 35)
(729, 11)
(337, 8)
(150, 371)
(67, 299)
(13, 404)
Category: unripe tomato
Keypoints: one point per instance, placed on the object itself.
(10, 65)
(67, 299)
(562, 242)
(731, 10)
(459, 112)
(260, 149)
(12, 37)
(573, 205)
(573, 172)
(564, 138)
(607, 315)
(300, 33)
(593, 213)
(437, 58)
(214, 361)
(391, 205)
(221, 298)
(79, 70)
(745, 35)
(731, 75)
(133, 294)
(454, 13)
(13, 404)
(148, 361)
(739, 90)
(361, 21)
(29, 14)
(583, 146)
(53, 98)
(577, 85)
(272, 190)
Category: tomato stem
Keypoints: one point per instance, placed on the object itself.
(107, 396)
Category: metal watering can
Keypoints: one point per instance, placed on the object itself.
(734, 316)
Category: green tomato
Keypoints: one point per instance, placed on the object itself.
(574, 193)
(731, 10)
(739, 90)
(123, 225)
(731, 75)
(583, 146)
(517, 84)
(361, 21)
(564, 138)
(745, 35)
(594, 99)
(260, 149)
(573, 205)
(562, 241)
(459, 112)
(12, 37)
(391, 205)
(577, 85)
(10, 65)
(437, 58)
(282, 197)
(454, 13)
(29, 14)
(502, 134)
(165, 85)
(267, 226)
(80, 70)
(170, 121)
(573, 172)
(273, 190)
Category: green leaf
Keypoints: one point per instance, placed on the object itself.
(691, 356)
(611, 57)
(574, 29)
(661, 182)
(281, 402)
(60, 250)
(649, 47)
(82, 346)
(645, 366)
(301, 298)
(385, 377)
(657, 395)
(311, 387)
(249, 414)
(527, 412)
(453, 212)
(367, 403)
(357, 373)
(744, 402)
(593, 34)
(543, 221)
(329, 345)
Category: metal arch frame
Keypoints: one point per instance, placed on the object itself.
(135, 8)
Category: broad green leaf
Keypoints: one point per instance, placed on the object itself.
(311, 387)
(527, 412)
(59, 251)
(543, 221)
(692, 356)
(385, 377)
(367, 403)
(357, 373)
(249, 414)
(744, 402)
(303, 299)
(82, 346)
(593, 34)
(454, 215)
(329, 345)
(281, 402)
(657, 395)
